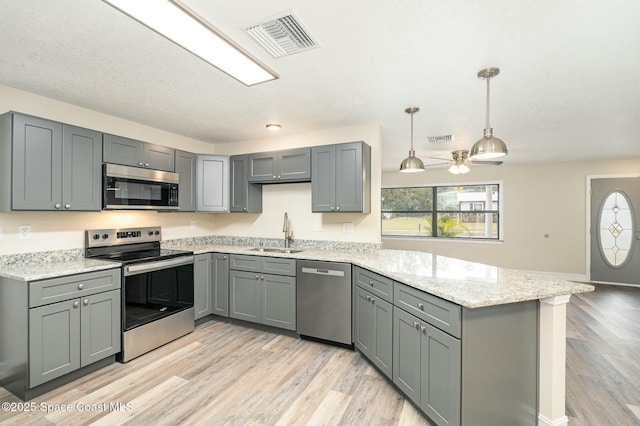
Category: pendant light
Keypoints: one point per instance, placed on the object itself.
(412, 164)
(489, 146)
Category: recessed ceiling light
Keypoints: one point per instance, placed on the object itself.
(274, 127)
(182, 26)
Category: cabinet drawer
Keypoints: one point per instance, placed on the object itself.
(58, 289)
(438, 312)
(278, 266)
(266, 265)
(374, 283)
(243, 262)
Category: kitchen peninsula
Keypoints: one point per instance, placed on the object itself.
(493, 304)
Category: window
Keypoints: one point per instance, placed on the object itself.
(465, 211)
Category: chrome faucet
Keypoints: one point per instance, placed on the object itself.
(288, 233)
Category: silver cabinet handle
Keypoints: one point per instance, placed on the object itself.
(274, 176)
(86, 301)
(80, 286)
(76, 304)
(371, 283)
(146, 164)
(261, 277)
(67, 206)
(140, 164)
(58, 206)
(338, 208)
(416, 324)
(331, 208)
(257, 277)
(224, 258)
(420, 305)
(278, 176)
(244, 209)
(373, 300)
(423, 328)
(368, 298)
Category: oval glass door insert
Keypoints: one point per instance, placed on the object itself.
(615, 229)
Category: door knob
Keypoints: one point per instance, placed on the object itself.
(80, 286)
(76, 304)
(67, 206)
(86, 301)
(58, 206)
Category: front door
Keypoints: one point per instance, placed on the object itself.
(615, 230)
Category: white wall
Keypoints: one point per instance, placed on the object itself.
(65, 230)
(537, 200)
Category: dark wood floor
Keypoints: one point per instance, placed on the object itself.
(230, 374)
(603, 357)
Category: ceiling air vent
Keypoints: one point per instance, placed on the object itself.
(282, 36)
(439, 139)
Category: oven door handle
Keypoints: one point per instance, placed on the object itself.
(141, 268)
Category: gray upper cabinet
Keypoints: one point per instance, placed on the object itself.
(293, 165)
(131, 152)
(186, 167)
(341, 178)
(49, 165)
(213, 183)
(244, 196)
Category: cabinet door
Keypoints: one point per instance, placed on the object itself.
(294, 165)
(382, 335)
(262, 167)
(440, 378)
(220, 289)
(186, 168)
(349, 177)
(81, 169)
(278, 301)
(54, 341)
(120, 150)
(323, 179)
(363, 320)
(37, 164)
(244, 296)
(213, 183)
(406, 354)
(244, 196)
(159, 157)
(202, 285)
(99, 326)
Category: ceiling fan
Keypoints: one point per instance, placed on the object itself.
(461, 161)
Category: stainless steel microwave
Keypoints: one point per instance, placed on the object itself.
(134, 188)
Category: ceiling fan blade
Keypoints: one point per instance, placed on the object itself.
(443, 159)
(437, 164)
(489, 163)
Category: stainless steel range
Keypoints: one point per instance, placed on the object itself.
(157, 296)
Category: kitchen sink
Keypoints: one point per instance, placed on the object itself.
(275, 250)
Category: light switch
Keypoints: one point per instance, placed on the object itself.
(347, 227)
(194, 224)
(24, 232)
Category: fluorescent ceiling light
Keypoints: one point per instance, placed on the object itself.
(181, 25)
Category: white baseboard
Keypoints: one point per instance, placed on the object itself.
(560, 421)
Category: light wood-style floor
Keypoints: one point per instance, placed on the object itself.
(231, 374)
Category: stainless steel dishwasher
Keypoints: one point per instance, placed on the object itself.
(324, 301)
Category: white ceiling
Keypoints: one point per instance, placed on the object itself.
(569, 87)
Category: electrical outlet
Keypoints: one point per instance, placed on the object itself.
(347, 228)
(24, 232)
(194, 224)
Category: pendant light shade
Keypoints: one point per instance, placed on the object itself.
(412, 164)
(489, 146)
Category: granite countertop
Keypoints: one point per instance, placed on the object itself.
(470, 284)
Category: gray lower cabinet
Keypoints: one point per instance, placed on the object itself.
(263, 290)
(72, 322)
(220, 284)
(185, 163)
(202, 285)
(244, 196)
(373, 329)
(292, 165)
(49, 165)
(213, 183)
(341, 178)
(427, 367)
(131, 152)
